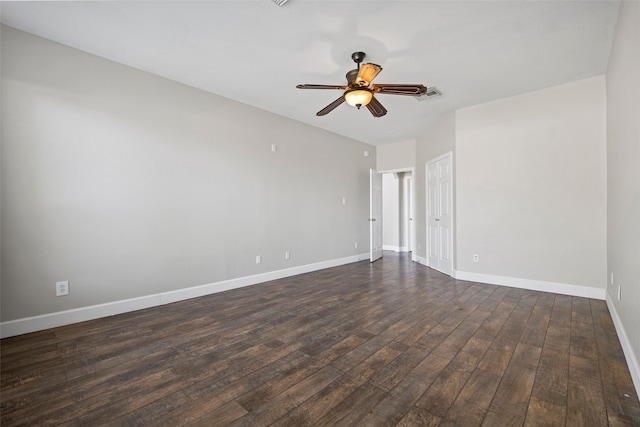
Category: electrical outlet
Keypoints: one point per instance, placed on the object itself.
(62, 288)
(274, 148)
(619, 292)
(612, 277)
(287, 255)
(476, 258)
(258, 259)
(355, 245)
(344, 200)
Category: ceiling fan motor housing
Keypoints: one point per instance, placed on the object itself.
(351, 76)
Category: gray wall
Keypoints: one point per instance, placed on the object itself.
(531, 185)
(400, 155)
(439, 140)
(127, 184)
(623, 173)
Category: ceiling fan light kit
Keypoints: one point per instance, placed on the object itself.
(358, 97)
(360, 92)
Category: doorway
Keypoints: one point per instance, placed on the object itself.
(397, 211)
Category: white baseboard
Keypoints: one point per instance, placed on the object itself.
(534, 285)
(420, 260)
(61, 318)
(629, 354)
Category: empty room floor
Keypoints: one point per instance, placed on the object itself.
(389, 343)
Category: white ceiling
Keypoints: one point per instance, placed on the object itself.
(256, 52)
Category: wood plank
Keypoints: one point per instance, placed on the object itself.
(619, 393)
(419, 417)
(354, 407)
(288, 400)
(210, 394)
(585, 399)
(549, 394)
(318, 405)
(443, 392)
(499, 354)
(397, 403)
(511, 399)
(472, 403)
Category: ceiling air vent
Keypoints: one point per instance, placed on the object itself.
(280, 2)
(432, 92)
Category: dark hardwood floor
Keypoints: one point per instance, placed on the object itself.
(390, 343)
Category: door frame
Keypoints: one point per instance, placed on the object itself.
(375, 221)
(412, 208)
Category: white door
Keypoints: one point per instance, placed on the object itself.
(375, 215)
(440, 214)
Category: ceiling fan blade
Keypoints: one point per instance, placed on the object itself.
(376, 108)
(329, 108)
(367, 73)
(400, 89)
(322, 87)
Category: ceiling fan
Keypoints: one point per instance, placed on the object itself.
(359, 91)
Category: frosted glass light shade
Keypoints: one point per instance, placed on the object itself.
(358, 97)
